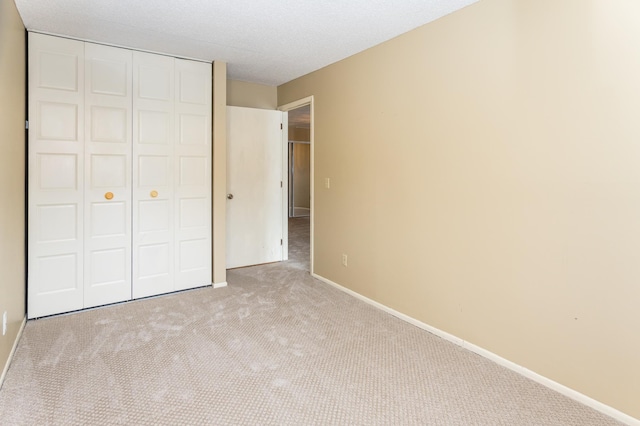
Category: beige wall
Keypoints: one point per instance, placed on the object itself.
(485, 179)
(302, 175)
(12, 148)
(302, 181)
(251, 95)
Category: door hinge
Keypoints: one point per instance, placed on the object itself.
(280, 126)
(280, 184)
(26, 125)
(280, 242)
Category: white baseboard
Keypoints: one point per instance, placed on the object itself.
(220, 285)
(562, 389)
(13, 351)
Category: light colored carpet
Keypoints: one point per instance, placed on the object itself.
(276, 347)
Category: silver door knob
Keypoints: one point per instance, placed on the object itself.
(230, 196)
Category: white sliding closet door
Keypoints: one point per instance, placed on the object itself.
(107, 214)
(119, 175)
(153, 174)
(193, 174)
(56, 173)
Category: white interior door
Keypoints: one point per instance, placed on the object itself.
(192, 165)
(107, 214)
(153, 144)
(119, 182)
(255, 186)
(56, 175)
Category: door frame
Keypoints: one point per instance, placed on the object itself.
(285, 173)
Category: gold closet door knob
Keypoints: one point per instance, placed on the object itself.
(154, 194)
(108, 195)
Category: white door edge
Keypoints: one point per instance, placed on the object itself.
(285, 185)
(309, 100)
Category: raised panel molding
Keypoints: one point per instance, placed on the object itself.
(156, 214)
(56, 223)
(191, 84)
(57, 171)
(57, 273)
(155, 260)
(109, 124)
(57, 121)
(108, 171)
(62, 71)
(193, 213)
(153, 127)
(153, 170)
(107, 267)
(108, 219)
(109, 78)
(193, 171)
(154, 83)
(193, 129)
(193, 255)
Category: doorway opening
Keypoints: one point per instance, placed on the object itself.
(298, 162)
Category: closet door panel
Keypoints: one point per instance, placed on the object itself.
(56, 170)
(153, 192)
(193, 173)
(119, 175)
(107, 218)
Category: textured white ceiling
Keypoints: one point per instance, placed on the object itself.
(269, 42)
